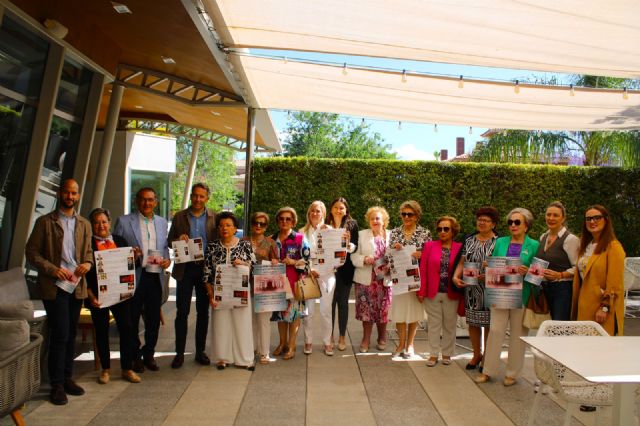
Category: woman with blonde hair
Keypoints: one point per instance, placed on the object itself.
(316, 214)
(406, 310)
(373, 291)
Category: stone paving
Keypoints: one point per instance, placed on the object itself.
(348, 388)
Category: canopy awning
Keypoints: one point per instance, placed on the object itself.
(439, 100)
(574, 36)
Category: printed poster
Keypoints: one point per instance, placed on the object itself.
(231, 286)
(404, 270)
(269, 293)
(116, 272)
(503, 283)
(536, 271)
(154, 261)
(470, 273)
(188, 251)
(331, 250)
(69, 285)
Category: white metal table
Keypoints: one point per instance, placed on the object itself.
(599, 359)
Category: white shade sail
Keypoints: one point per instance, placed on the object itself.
(426, 99)
(571, 36)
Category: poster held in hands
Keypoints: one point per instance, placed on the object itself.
(404, 270)
(536, 271)
(470, 273)
(503, 283)
(115, 269)
(231, 286)
(269, 292)
(188, 251)
(330, 251)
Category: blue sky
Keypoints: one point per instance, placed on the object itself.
(413, 141)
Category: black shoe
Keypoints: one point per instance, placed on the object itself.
(587, 408)
(72, 388)
(470, 366)
(150, 364)
(177, 361)
(138, 366)
(202, 359)
(57, 395)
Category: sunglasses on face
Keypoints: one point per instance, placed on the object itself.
(443, 229)
(516, 222)
(407, 214)
(260, 224)
(285, 219)
(596, 218)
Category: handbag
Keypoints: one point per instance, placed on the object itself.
(307, 288)
(537, 310)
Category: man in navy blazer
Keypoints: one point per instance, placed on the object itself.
(144, 231)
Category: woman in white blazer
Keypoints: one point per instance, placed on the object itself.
(373, 293)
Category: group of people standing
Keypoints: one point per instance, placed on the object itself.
(583, 281)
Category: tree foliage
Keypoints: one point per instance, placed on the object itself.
(601, 148)
(323, 135)
(214, 167)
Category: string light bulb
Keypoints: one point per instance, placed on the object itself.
(435, 128)
(470, 130)
(344, 69)
(286, 60)
(399, 125)
(625, 94)
(404, 76)
(516, 88)
(362, 124)
(461, 82)
(571, 91)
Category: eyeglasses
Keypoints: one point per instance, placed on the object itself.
(407, 214)
(260, 224)
(484, 221)
(596, 218)
(443, 229)
(516, 222)
(285, 219)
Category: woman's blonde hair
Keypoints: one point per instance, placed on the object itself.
(377, 209)
(323, 209)
(288, 209)
(413, 205)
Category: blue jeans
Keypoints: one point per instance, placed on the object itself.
(63, 313)
(558, 295)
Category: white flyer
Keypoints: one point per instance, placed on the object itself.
(68, 285)
(231, 286)
(188, 251)
(331, 250)
(535, 275)
(470, 273)
(116, 272)
(269, 288)
(404, 269)
(154, 260)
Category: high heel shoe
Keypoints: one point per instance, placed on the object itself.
(289, 355)
(482, 378)
(281, 348)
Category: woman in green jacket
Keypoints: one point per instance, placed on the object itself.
(518, 244)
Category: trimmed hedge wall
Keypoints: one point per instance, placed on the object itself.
(456, 189)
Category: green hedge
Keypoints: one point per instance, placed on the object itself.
(450, 188)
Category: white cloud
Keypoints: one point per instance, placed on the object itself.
(411, 152)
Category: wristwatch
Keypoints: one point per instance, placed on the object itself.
(605, 309)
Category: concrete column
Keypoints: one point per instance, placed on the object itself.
(192, 169)
(108, 137)
(88, 132)
(37, 151)
(251, 136)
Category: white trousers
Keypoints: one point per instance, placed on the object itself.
(327, 287)
(232, 336)
(442, 317)
(262, 332)
(499, 320)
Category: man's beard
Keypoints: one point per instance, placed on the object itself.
(67, 204)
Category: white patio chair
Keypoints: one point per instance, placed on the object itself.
(570, 387)
(631, 280)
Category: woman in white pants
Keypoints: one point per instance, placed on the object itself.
(231, 335)
(437, 292)
(316, 214)
(264, 249)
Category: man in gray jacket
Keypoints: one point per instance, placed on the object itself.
(196, 221)
(60, 248)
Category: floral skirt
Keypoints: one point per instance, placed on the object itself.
(373, 302)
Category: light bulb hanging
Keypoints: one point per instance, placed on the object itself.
(461, 82)
(470, 130)
(625, 94)
(362, 124)
(344, 69)
(399, 125)
(516, 88)
(571, 91)
(404, 76)
(435, 128)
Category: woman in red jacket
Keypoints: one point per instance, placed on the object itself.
(441, 304)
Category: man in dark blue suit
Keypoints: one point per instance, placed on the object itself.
(145, 231)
